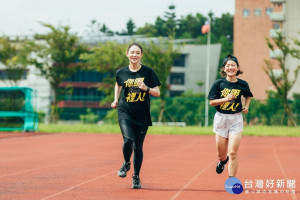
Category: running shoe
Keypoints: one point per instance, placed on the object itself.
(221, 166)
(124, 169)
(136, 182)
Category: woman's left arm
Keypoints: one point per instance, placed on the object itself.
(154, 91)
(247, 103)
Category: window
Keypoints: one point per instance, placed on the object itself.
(6, 75)
(246, 12)
(269, 11)
(276, 26)
(257, 11)
(177, 78)
(179, 61)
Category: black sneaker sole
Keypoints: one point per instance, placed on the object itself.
(219, 170)
(122, 176)
(136, 187)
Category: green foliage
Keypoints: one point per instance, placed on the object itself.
(181, 109)
(190, 26)
(282, 82)
(11, 122)
(111, 117)
(89, 117)
(41, 117)
(148, 30)
(96, 29)
(12, 100)
(270, 112)
(14, 55)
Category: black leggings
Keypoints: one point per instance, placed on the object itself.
(133, 137)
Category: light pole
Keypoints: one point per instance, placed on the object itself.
(207, 71)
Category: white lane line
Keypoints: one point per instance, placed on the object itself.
(192, 180)
(75, 186)
(281, 168)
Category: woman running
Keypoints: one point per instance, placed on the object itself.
(138, 83)
(225, 95)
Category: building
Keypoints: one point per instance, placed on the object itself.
(253, 21)
(190, 68)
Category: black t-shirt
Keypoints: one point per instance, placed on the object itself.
(221, 88)
(134, 104)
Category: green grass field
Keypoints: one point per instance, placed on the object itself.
(170, 130)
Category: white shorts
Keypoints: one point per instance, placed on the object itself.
(225, 124)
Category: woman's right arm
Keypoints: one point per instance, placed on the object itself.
(118, 89)
(217, 102)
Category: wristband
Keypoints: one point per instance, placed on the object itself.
(148, 89)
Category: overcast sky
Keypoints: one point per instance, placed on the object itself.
(21, 17)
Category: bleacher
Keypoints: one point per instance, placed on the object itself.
(17, 110)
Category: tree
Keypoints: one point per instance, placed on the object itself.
(223, 26)
(282, 82)
(161, 57)
(15, 57)
(130, 27)
(160, 28)
(170, 21)
(107, 58)
(57, 57)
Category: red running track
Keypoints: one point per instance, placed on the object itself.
(84, 166)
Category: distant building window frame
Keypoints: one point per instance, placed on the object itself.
(276, 26)
(180, 61)
(269, 11)
(246, 12)
(4, 74)
(257, 12)
(177, 78)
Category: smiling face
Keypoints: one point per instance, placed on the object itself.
(231, 68)
(134, 54)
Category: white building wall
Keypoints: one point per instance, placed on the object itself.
(291, 30)
(195, 66)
